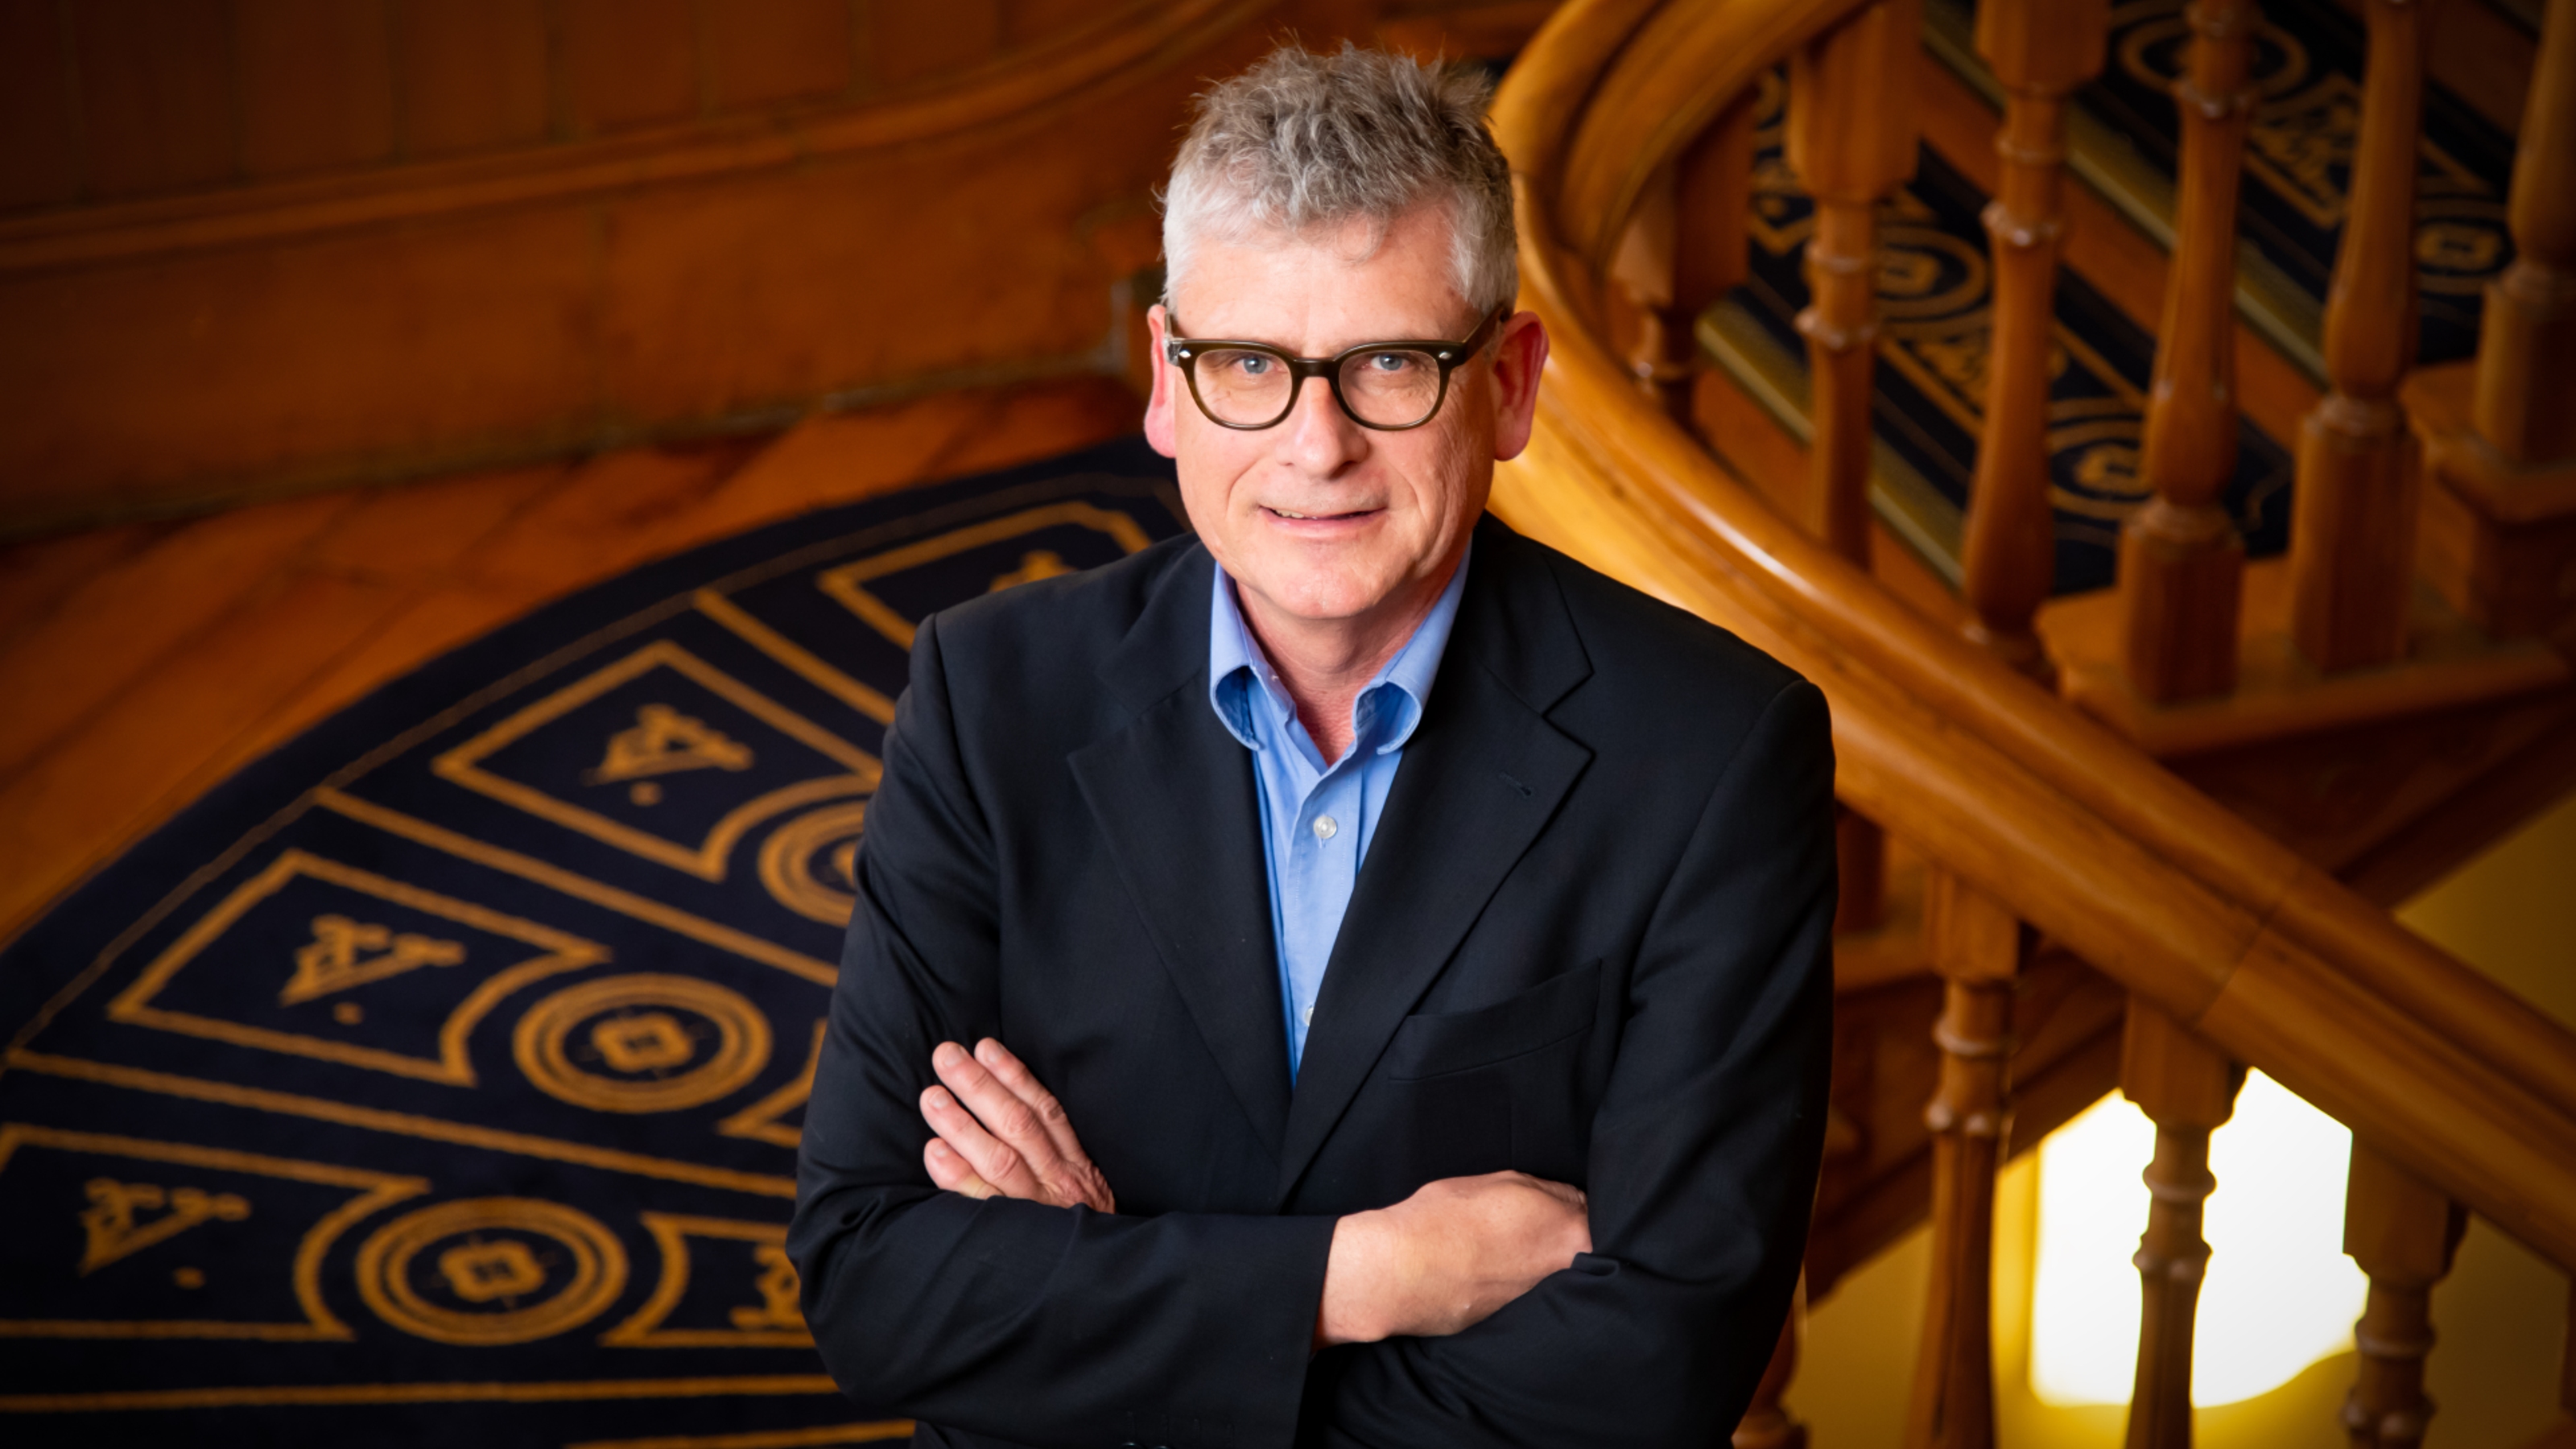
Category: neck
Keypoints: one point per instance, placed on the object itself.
(1325, 663)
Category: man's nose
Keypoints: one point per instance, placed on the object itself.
(1321, 438)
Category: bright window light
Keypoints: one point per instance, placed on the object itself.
(2280, 1293)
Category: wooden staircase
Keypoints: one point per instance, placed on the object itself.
(2143, 837)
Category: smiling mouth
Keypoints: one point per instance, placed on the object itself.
(1316, 517)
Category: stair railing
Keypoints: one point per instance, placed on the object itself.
(2036, 822)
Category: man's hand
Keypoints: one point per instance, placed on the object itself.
(1001, 1132)
(1441, 1260)
(1448, 1256)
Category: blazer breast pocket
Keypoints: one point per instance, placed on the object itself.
(1498, 1086)
(1437, 1043)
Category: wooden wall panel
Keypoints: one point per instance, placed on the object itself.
(155, 85)
(1035, 22)
(472, 75)
(316, 84)
(39, 160)
(628, 63)
(424, 342)
(908, 42)
(802, 202)
(779, 50)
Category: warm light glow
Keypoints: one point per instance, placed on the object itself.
(2280, 1293)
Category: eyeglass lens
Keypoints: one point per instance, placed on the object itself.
(1397, 387)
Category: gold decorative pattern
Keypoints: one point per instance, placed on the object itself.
(337, 960)
(631, 1028)
(112, 1226)
(580, 887)
(787, 860)
(847, 582)
(493, 1264)
(401, 1124)
(706, 858)
(373, 1191)
(769, 1319)
(759, 1121)
(562, 952)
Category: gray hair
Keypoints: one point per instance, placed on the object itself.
(1303, 140)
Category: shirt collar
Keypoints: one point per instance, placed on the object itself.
(1236, 664)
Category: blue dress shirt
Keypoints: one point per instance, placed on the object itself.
(1317, 820)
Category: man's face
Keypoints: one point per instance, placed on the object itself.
(1317, 517)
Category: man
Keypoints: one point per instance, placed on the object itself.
(1355, 977)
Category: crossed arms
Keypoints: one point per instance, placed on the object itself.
(1429, 1266)
(975, 1271)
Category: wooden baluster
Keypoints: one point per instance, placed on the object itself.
(1851, 141)
(2499, 516)
(2182, 561)
(2352, 522)
(2402, 1231)
(1768, 1424)
(2188, 1089)
(1684, 249)
(2526, 389)
(1976, 946)
(2040, 50)
(1712, 196)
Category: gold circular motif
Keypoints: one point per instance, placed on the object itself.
(828, 837)
(485, 1258)
(1914, 262)
(636, 1047)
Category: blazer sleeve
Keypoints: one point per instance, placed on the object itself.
(1703, 1162)
(1037, 1324)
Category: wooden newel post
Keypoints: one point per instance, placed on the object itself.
(2040, 50)
(2352, 521)
(2402, 1231)
(2182, 561)
(1851, 141)
(1976, 946)
(2188, 1089)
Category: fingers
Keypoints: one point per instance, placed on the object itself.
(986, 1156)
(1023, 1084)
(949, 1172)
(1009, 1129)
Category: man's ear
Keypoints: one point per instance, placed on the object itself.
(1520, 355)
(1160, 423)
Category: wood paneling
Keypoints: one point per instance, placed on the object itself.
(472, 75)
(155, 94)
(628, 63)
(39, 137)
(719, 274)
(779, 50)
(910, 43)
(317, 84)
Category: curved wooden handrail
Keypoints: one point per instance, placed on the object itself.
(2168, 893)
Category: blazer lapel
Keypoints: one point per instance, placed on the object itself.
(1480, 779)
(1173, 795)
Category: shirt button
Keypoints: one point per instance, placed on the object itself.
(1307, 1016)
(1325, 829)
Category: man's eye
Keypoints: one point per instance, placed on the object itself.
(1391, 362)
(1253, 364)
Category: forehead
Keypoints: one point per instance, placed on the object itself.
(1321, 287)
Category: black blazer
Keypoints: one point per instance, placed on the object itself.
(1590, 941)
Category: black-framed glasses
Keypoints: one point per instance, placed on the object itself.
(1389, 386)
